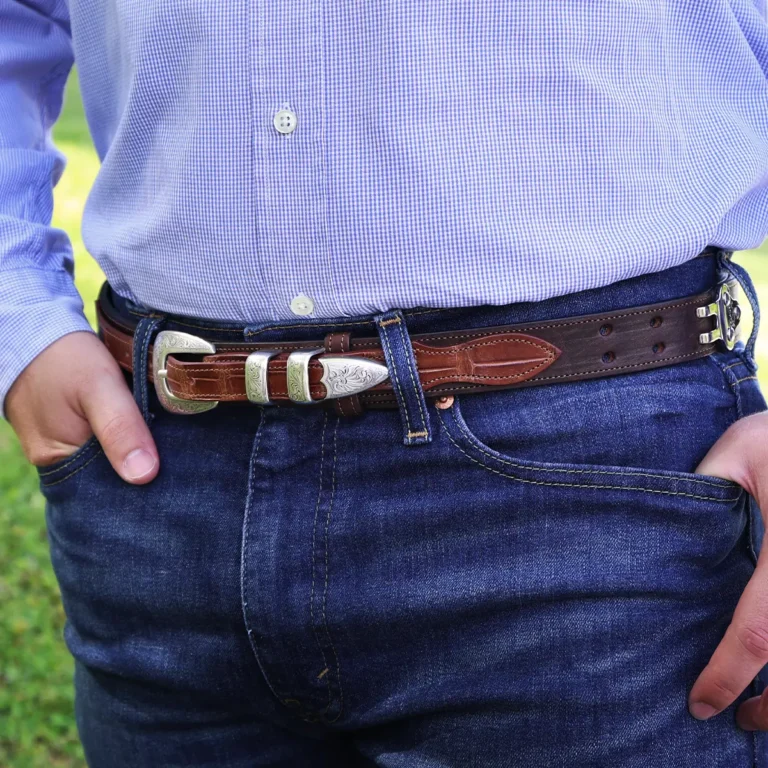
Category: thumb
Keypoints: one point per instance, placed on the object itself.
(741, 455)
(118, 424)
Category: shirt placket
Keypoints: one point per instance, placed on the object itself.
(290, 168)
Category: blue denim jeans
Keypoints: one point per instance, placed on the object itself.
(533, 578)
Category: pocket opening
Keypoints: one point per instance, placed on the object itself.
(69, 466)
(588, 476)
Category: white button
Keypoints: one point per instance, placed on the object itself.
(302, 305)
(285, 121)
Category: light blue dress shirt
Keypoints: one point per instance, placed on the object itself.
(268, 159)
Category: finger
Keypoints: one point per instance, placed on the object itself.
(752, 715)
(118, 424)
(742, 652)
(741, 455)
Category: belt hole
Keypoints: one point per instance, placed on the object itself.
(609, 357)
(656, 322)
(606, 330)
(658, 348)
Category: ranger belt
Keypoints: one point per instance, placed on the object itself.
(192, 374)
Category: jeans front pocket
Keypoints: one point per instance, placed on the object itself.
(70, 466)
(549, 454)
(586, 476)
(621, 578)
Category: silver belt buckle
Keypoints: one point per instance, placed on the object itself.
(342, 376)
(727, 313)
(178, 343)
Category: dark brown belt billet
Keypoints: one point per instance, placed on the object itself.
(192, 374)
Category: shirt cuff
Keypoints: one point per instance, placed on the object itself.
(37, 307)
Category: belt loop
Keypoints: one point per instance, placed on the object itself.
(745, 281)
(142, 336)
(398, 353)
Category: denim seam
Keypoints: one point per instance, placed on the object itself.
(77, 456)
(728, 500)
(143, 360)
(479, 446)
(729, 377)
(246, 537)
(417, 391)
(75, 471)
(314, 560)
(218, 329)
(338, 323)
(325, 590)
(404, 405)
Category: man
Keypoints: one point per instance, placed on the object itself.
(458, 276)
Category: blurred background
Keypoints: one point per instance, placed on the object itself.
(37, 728)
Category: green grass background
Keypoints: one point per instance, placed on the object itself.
(36, 723)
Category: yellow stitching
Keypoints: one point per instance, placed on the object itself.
(76, 456)
(746, 378)
(417, 391)
(246, 536)
(314, 558)
(397, 381)
(582, 485)
(482, 449)
(732, 365)
(390, 321)
(418, 434)
(72, 474)
(325, 591)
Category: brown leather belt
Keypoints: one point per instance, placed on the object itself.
(350, 371)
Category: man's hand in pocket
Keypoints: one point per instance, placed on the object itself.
(741, 455)
(72, 390)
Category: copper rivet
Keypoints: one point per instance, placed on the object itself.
(444, 402)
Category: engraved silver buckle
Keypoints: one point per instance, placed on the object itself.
(342, 376)
(727, 313)
(178, 343)
(256, 370)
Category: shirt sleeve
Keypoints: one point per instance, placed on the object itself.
(38, 299)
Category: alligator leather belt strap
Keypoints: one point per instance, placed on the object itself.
(192, 374)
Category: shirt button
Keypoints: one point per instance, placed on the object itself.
(302, 305)
(285, 121)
